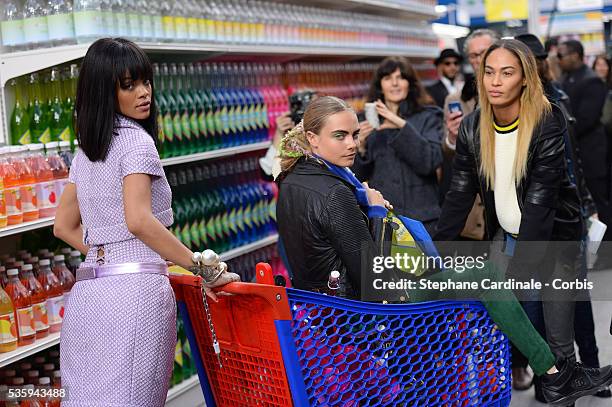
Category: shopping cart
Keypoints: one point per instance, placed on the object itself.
(284, 347)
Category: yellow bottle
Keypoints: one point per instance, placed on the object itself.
(8, 327)
(3, 218)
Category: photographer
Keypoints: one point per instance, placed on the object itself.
(400, 158)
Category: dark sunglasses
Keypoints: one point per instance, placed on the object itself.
(449, 63)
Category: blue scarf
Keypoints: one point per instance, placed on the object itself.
(415, 227)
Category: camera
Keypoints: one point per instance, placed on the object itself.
(298, 102)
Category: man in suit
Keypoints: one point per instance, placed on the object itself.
(447, 64)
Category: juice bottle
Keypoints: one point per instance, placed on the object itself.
(45, 187)
(22, 303)
(58, 167)
(9, 374)
(27, 183)
(30, 402)
(32, 377)
(63, 274)
(20, 118)
(12, 195)
(45, 382)
(39, 300)
(8, 328)
(3, 217)
(55, 295)
(75, 261)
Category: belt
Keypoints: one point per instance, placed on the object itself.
(107, 270)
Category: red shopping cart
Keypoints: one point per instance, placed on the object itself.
(284, 347)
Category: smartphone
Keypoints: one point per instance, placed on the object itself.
(371, 115)
(454, 107)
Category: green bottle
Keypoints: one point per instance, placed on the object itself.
(209, 141)
(190, 109)
(160, 102)
(172, 119)
(181, 119)
(39, 125)
(68, 85)
(200, 113)
(20, 118)
(60, 119)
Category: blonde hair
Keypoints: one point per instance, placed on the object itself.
(533, 107)
(295, 143)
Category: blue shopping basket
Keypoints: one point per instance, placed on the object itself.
(283, 347)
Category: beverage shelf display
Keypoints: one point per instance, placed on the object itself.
(26, 227)
(25, 351)
(409, 9)
(185, 394)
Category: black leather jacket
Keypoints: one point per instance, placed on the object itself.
(549, 203)
(322, 227)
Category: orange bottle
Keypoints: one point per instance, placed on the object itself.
(63, 273)
(27, 183)
(58, 166)
(39, 300)
(55, 295)
(46, 193)
(3, 218)
(24, 315)
(12, 195)
(8, 328)
(3, 277)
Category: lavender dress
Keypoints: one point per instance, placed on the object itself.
(119, 333)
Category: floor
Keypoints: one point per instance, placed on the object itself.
(602, 312)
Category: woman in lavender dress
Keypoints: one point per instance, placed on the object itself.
(118, 337)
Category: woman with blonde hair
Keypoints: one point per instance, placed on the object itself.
(511, 152)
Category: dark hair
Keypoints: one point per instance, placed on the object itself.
(551, 42)
(417, 96)
(107, 61)
(609, 77)
(575, 46)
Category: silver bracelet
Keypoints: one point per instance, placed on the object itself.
(208, 266)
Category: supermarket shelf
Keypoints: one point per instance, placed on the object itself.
(413, 10)
(16, 64)
(223, 152)
(187, 393)
(25, 351)
(24, 227)
(239, 251)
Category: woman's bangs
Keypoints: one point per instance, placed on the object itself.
(134, 61)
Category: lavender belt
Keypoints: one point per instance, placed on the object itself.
(107, 270)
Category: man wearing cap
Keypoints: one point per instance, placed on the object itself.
(447, 65)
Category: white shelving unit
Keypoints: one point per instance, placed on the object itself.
(411, 10)
(25, 351)
(27, 226)
(222, 152)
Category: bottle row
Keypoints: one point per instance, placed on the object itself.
(32, 181)
(201, 106)
(222, 205)
(245, 265)
(33, 24)
(34, 290)
(41, 370)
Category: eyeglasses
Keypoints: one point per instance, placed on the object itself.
(561, 56)
(449, 63)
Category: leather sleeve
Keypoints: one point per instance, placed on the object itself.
(348, 233)
(463, 189)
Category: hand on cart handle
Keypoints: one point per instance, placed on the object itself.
(209, 266)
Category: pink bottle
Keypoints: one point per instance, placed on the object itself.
(58, 166)
(45, 187)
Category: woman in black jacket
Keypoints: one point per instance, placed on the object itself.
(323, 227)
(532, 209)
(400, 158)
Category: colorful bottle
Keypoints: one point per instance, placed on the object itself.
(46, 194)
(22, 303)
(8, 327)
(58, 167)
(10, 178)
(3, 215)
(75, 261)
(20, 118)
(39, 300)
(55, 295)
(63, 274)
(27, 183)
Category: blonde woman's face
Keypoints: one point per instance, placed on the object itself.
(338, 139)
(503, 78)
